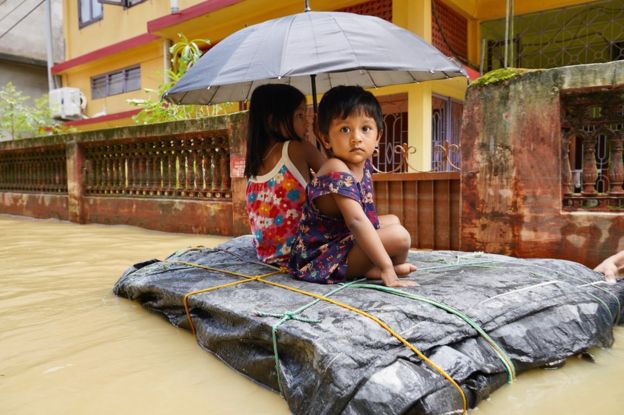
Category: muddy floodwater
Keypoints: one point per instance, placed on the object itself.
(69, 346)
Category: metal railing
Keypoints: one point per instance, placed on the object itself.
(581, 34)
(42, 169)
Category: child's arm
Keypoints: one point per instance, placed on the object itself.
(611, 266)
(305, 157)
(368, 240)
(314, 157)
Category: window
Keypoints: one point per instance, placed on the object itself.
(117, 82)
(124, 3)
(90, 11)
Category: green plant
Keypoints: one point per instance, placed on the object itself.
(499, 75)
(154, 109)
(19, 119)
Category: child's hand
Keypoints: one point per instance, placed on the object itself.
(401, 283)
(390, 279)
(609, 269)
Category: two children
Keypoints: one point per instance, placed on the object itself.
(329, 231)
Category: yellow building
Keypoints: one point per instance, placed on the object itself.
(116, 48)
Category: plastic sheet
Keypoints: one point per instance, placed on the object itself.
(334, 361)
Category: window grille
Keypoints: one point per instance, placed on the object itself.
(446, 116)
(118, 82)
(588, 33)
(379, 8)
(388, 157)
(449, 31)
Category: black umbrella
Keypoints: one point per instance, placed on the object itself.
(312, 51)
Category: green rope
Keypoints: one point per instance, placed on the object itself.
(614, 319)
(458, 264)
(509, 366)
(288, 315)
(292, 315)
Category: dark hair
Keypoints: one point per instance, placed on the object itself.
(342, 101)
(271, 110)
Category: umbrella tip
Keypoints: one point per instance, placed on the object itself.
(307, 6)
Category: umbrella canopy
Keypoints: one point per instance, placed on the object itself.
(334, 48)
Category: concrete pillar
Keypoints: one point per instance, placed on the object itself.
(75, 182)
(419, 122)
(415, 16)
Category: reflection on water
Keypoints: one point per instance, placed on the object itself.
(69, 346)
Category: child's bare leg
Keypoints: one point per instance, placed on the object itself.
(388, 220)
(396, 240)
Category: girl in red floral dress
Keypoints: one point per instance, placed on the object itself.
(278, 168)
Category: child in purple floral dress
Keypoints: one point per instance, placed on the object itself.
(339, 236)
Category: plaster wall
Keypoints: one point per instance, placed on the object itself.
(28, 38)
(31, 80)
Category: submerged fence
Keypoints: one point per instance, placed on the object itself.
(185, 177)
(42, 169)
(170, 177)
(195, 167)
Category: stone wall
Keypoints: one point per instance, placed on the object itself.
(511, 190)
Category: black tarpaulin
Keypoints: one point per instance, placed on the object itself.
(332, 360)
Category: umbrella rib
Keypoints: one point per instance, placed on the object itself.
(286, 36)
(347, 39)
(359, 64)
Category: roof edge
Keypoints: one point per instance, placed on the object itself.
(133, 42)
(198, 10)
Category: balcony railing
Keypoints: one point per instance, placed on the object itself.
(592, 150)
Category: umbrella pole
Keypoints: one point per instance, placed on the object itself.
(314, 103)
(315, 108)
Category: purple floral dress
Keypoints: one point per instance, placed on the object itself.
(322, 243)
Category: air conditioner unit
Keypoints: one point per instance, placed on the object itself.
(66, 103)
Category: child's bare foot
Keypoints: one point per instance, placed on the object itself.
(403, 270)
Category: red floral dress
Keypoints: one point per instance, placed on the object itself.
(319, 252)
(274, 203)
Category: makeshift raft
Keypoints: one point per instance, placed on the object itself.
(475, 321)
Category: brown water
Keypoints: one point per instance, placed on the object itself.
(69, 346)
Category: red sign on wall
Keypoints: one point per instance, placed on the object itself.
(237, 165)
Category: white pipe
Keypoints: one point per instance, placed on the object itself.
(511, 33)
(506, 49)
(51, 83)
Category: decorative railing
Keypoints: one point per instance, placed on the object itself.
(42, 170)
(592, 141)
(193, 167)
